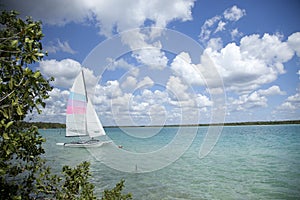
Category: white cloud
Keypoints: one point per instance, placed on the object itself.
(273, 90)
(119, 64)
(269, 48)
(218, 23)
(146, 52)
(298, 74)
(221, 26)
(152, 57)
(55, 107)
(215, 44)
(112, 89)
(255, 62)
(294, 42)
(183, 67)
(235, 34)
(206, 28)
(58, 46)
(290, 108)
(109, 15)
(63, 71)
(130, 83)
(294, 98)
(128, 14)
(287, 106)
(245, 102)
(234, 13)
(146, 82)
(203, 101)
(177, 89)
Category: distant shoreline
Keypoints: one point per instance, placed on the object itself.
(50, 125)
(220, 124)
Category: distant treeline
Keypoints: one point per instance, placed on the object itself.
(263, 123)
(246, 123)
(43, 125)
(48, 125)
(225, 124)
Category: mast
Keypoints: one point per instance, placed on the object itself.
(84, 85)
(86, 97)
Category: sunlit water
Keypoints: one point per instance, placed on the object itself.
(248, 162)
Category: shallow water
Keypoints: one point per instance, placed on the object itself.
(248, 162)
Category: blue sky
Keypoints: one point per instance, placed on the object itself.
(253, 47)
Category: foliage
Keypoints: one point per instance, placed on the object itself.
(115, 193)
(22, 91)
(23, 172)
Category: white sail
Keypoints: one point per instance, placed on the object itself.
(76, 109)
(94, 126)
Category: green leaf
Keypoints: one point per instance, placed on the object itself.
(39, 54)
(19, 110)
(9, 124)
(4, 112)
(5, 136)
(14, 43)
(37, 74)
(11, 83)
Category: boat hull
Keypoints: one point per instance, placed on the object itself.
(85, 144)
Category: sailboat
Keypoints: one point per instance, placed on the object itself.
(81, 117)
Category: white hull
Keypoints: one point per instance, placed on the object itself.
(89, 143)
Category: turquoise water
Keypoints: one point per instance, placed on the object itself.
(248, 162)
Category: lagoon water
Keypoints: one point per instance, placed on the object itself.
(248, 162)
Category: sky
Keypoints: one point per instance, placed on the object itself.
(171, 61)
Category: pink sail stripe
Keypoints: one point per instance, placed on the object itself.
(75, 110)
(76, 103)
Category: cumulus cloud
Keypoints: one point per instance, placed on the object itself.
(257, 61)
(113, 17)
(234, 13)
(128, 14)
(146, 82)
(58, 46)
(294, 42)
(215, 44)
(112, 89)
(206, 28)
(218, 23)
(55, 107)
(273, 90)
(130, 83)
(144, 50)
(177, 89)
(235, 34)
(65, 71)
(245, 102)
(255, 99)
(290, 108)
(119, 64)
(221, 26)
(182, 66)
(108, 15)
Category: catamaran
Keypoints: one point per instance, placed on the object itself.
(81, 117)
